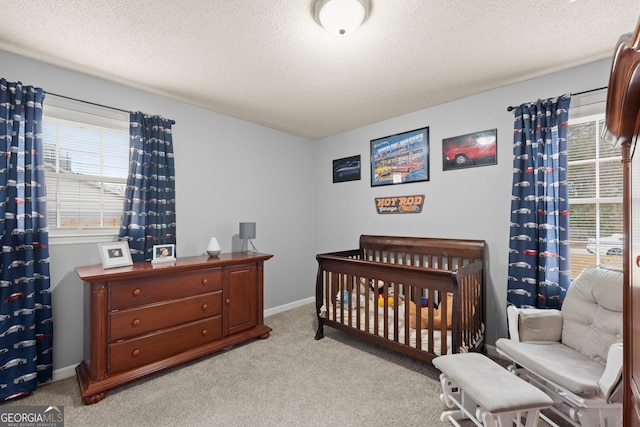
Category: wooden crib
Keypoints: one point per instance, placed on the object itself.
(423, 297)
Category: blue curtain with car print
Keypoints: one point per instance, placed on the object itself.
(149, 215)
(539, 237)
(26, 329)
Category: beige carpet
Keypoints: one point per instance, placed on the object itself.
(289, 379)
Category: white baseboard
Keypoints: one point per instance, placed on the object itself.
(62, 373)
(70, 371)
(289, 306)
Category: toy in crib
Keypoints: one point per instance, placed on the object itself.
(380, 287)
(381, 299)
(345, 299)
(437, 315)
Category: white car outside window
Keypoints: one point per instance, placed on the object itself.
(609, 245)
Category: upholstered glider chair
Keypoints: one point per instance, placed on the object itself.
(574, 354)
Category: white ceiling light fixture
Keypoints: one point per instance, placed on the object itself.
(341, 17)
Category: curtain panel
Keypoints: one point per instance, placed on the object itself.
(26, 328)
(539, 232)
(149, 214)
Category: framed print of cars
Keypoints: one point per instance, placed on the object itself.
(346, 169)
(470, 150)
(400, 158)
(115, 254)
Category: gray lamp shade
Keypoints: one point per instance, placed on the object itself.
(247, 230)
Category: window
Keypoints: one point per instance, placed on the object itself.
(595, 195)
(86, 160)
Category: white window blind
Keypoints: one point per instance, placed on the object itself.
(86, 157)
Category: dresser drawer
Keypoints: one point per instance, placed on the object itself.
(135, 352)
(137, 321)
(134, 293)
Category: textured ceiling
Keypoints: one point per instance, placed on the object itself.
(268, 61)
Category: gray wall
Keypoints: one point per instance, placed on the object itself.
(470, 203)
(228, 171)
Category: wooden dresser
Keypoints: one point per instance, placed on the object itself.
(142, 319)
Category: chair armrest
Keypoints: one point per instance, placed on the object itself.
(532, 324)
(612, 375)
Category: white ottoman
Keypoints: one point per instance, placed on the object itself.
(487, 393)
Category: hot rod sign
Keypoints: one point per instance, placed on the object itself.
(400, 204)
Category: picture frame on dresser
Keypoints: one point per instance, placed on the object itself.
(164, 254)
(115, 254)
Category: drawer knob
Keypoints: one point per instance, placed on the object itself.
(135, 353)
(204, 332)
(136, 292)
(205, 281)
(204, 307)
(135, 322)
(228, 301)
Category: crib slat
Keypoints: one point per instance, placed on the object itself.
(367, 303)
(432, 298)
(407, 297)
(385, 313)
(444, 312)
(396, 301)
(331, 292)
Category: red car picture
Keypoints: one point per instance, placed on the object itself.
(407, 167)
(469, 150)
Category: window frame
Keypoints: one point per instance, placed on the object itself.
(594, 112)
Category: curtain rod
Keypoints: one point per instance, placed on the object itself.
(88, 102)
(511, 108)
(94, 103)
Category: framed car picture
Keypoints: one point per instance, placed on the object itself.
(400, 158)
(115, 254)
(346, 169)
(470, 150)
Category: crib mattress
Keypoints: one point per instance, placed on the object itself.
(361, 314)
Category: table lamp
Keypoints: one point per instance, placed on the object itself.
(248, 232)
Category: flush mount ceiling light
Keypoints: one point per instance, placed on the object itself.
(340, 17)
